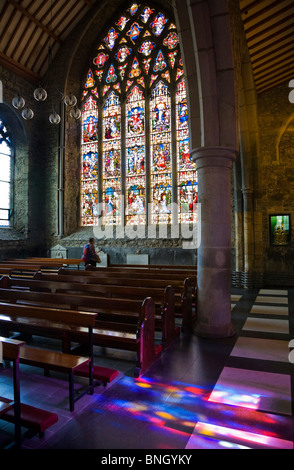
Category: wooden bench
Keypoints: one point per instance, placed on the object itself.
(5, 270)
(107, 290)
(155, 266)
(33, 319)
(183, 290)
(57, 262)
(168, 276)
(26, 267)
(122, 310)
(112, 278)
(156, 271)
(170, 272)
(173, 269)
(138, 336)
(21, 414)
(10, 350)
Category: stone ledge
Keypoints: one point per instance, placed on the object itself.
(11, 234)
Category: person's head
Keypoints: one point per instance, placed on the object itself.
(91, 240)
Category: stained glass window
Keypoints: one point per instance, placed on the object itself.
(187, 175)
(89, 163)
(5, 175)
(111, 171)
(161, 166)
(135, 130)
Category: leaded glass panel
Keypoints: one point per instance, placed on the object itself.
(135, 158)
(5, 175)
(111, 170)
(89, 163)
(161, 159)
(187, 175)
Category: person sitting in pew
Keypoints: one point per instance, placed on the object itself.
(90, 256)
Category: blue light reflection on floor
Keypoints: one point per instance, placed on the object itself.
(176, 408)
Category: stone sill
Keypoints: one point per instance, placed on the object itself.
(8, 233)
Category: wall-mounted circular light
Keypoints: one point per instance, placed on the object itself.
(54, 118)
(40, 94)
(70, 100)
(75, 113)
(27, 113)
(18, 102)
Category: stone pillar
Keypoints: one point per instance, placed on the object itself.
(214, 166)
(248, 237)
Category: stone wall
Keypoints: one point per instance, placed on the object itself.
(26, 233)
(275, 191)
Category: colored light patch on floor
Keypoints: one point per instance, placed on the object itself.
(197, 441)
(171, 406)
(236, 398)
(235, 438)
(241, 387)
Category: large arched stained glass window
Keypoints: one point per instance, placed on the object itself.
(5, 176)
(136, 162)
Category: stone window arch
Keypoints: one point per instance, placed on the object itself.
(135, 161)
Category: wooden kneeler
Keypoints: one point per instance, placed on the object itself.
(34, 419)
(103, 375)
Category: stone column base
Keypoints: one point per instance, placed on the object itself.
(208, 331)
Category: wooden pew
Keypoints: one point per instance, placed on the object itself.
(138, 336)
(167, 267)
(168, 276)
(183, 290)
(170, 271)
(21, 414)
(26, 267)
(103, 290)
(185, 287)
(55, 322)
(43, 262)
(24, 270)
(10, 350)
(18, 267)
(136, 277)
(152, 267)
(117, 310)
(125, 272)
(145, 271)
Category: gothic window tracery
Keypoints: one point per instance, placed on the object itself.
(135, 133)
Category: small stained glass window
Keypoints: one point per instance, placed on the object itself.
(5, 175)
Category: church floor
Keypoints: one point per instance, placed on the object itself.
(233, 393)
